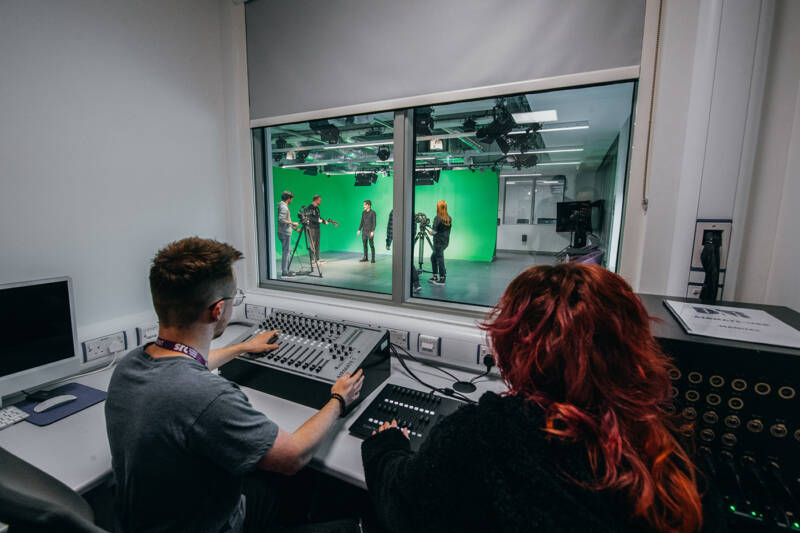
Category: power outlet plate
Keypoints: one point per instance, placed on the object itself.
(146, 333)
(483, 350)
(255, 312)
(104, 346)
(429, 345)
(399, 337)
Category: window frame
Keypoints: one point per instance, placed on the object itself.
(403, 183)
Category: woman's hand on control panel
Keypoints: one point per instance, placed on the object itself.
(387, 425)
(261, 342)
(349, 387)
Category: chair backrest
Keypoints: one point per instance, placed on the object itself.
(33, 501)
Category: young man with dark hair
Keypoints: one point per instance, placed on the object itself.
(285, 227)
(314, 221)
(183, 438)
(367, 226)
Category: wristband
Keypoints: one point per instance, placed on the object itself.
(342, 403)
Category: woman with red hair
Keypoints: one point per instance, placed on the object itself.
(579, 442)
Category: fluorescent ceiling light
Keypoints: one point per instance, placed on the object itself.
(425, 158)
(549, 182)
(559, 163)
(354, 145)
(548, 151)
(316, 163)
(517, 175)
(565, 128)
(549, 115)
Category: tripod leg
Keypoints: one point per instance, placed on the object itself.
(312, 259)
(302, 231)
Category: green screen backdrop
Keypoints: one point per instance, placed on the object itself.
(471, 200)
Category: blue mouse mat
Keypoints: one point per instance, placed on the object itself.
(86, 397)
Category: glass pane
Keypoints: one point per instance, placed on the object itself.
(519, 199)
(501, 184)
(548, 192)
(332, 191)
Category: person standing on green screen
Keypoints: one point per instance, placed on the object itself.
(441, 239)
(285, 227)
(367, 229)
(314, 221)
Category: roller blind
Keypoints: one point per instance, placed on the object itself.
(308, 55)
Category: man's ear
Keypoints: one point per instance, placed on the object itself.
(216, 311)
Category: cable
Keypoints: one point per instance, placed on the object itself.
(488, 361)
(77, 376)
(420, 361)
(446, 391)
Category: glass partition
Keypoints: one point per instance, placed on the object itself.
(497, 185)
(554, 163)
(328, 195)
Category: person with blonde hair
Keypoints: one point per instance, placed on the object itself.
(442, 224)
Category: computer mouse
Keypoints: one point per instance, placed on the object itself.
(55, 401)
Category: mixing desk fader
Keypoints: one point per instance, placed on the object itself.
(313, 354)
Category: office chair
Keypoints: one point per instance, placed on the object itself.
(32, 501)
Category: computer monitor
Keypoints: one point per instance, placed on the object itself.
(38, 338)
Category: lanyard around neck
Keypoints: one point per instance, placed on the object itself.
(181, 348)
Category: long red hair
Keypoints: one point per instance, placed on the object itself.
(575, 339)
(441, 212)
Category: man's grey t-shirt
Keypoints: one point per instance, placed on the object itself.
(181, 440)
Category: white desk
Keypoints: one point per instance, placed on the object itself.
(75, 449)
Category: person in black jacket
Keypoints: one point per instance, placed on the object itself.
(579, 443)
(367, 229)
(442, 224)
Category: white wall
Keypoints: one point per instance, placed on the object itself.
(770, 266)
(112, 143)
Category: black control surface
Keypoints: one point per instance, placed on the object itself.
(413, 409)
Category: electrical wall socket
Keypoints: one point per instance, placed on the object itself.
(429, 345)
(146, 333)
(483, 350)
(104, 346)
(255, 312)
(399, 337)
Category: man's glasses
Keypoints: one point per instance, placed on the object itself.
(238, 298)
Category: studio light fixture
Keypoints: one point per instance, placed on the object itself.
(327, 132)
(301, 155)
(383, 153)
(502, 123)
(427, 176)
(423, 121)
(281, 145)
(365, 179)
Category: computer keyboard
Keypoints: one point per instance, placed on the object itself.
(11, 415)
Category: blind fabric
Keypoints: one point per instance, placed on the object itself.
(308, 55)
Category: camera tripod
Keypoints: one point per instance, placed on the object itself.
(420, 238)
(312, 256)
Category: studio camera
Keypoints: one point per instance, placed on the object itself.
(423, 220)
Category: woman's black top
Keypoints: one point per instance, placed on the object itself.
(441, 233)
(488, 467)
